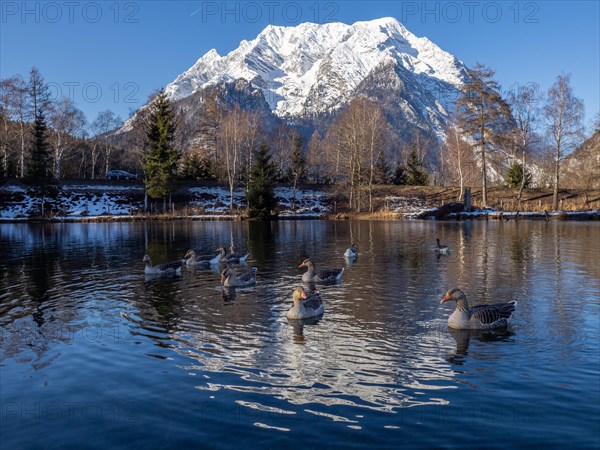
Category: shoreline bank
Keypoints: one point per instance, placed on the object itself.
(102, 201)
(460, 216)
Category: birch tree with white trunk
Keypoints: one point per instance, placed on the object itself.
(564, 115)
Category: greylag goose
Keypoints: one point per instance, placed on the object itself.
(192, 260)
(232, 258)
(480, 317)
(320, 276)
(233, 278)
(352, 252)
(220, 255)
(160, 269)
(442, 249)
(305, 306)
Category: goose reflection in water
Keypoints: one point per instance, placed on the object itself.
(228, 294)
(298, 327)
(159, 277)
(463, 337)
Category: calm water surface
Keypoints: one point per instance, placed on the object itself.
(95, 355)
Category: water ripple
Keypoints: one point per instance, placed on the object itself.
(76, 310)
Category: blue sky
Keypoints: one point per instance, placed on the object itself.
(111, 55)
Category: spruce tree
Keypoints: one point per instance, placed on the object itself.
(400, 178)
(261, 188)
(160, 159)
(415, 174)
(39, 160)
(39, 164)
(38, 92)
(515, 177)
(382, 171)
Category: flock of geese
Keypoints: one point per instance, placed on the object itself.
(309, 304)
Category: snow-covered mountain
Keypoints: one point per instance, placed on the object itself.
(312, 70)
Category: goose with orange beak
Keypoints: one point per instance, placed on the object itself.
(305, 305)
(479, 317)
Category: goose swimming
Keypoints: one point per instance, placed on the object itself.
(160, 269)
(352, 252)
(232, 278)
(312, 275)
(442, 249)
(479, 317)
(305, 306)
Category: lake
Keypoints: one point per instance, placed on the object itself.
(94, 354)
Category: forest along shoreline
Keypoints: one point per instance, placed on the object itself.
(111, 200)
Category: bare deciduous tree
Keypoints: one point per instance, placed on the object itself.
(358, 139)
(482, 113)
(211, 117)
(105, 122)
(524, 106)
(135, 139)
(458, 153)
(282, 142)
(14, 109)
(564, 114)
(252, 125)
(6, 87)
(238, 134)
(319, 166)
(67, 125)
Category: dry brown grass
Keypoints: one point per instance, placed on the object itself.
(539, 200)
(501, 199)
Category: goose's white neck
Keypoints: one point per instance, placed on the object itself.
(460, 316)
(298, 311)
(458, 319)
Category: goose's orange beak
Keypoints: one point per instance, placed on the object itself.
(301, 264)
(222, 278)
(303, 295)
(445, 298)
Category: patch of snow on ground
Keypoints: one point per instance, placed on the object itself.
(404, 204)
(307, 203)
(417, 214)
(18, 210)
(216, 199)
(80, 205)
(12, 188)
(103, 188)
(68, 205)
(410, 207)
(83, 201)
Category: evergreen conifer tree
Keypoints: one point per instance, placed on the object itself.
(160, 159)
(382, 171)
(415, 175)
(39, 162)
(400, 178)
(261, 188)
(514, 177)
